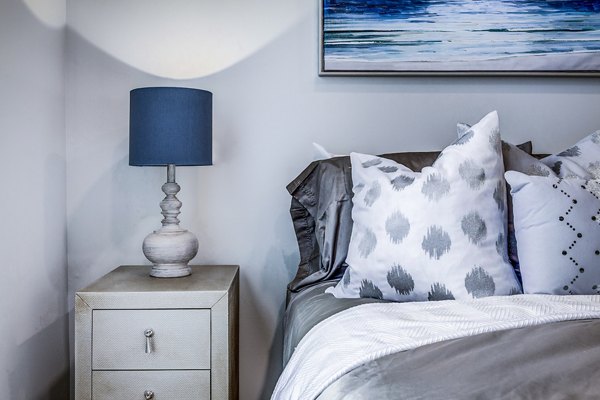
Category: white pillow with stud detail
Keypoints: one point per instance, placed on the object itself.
(432, 235)
(557, 225)
(541, 228)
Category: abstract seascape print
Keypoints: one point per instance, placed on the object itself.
(461, 36)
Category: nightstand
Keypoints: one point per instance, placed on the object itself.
(139, 337)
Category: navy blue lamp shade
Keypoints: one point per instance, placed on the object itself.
(170, 125)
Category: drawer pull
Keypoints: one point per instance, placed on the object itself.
(149, 333)
(148, 394)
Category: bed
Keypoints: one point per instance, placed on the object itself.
(550, 360)
(519, 346)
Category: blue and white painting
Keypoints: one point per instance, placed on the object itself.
(464, 36)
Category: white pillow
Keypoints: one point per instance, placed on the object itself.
(322, 153)
(557, 225)
(431, 235)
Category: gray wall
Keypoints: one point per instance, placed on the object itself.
(34, 356)
(260, 60)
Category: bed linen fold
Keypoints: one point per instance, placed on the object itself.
(556, 361)
(369, 332)
(309, 307)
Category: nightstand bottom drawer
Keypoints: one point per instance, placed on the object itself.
(165, 385)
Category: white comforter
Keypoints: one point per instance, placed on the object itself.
(364, 333)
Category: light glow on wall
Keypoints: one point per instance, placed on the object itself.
(183, 39)
(52, 13)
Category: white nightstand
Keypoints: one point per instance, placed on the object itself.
(138, 337)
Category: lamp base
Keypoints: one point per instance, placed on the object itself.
(170, 251)
(170, 248)
(170, 270)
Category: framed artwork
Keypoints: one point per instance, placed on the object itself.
(460, 37)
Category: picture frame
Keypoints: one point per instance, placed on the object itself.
(344, 39)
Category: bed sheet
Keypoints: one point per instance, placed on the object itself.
(309, 307)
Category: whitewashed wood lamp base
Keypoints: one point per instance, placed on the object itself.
(171, 247)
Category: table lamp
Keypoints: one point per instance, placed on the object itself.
(170, 126)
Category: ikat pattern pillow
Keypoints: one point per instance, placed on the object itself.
(581, 160)
(557, 226)
(432, 235)
(515, 159)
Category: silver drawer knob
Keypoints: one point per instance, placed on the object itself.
(148, 394)
(149, 333)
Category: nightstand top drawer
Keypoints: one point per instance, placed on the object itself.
(150, 339)
(157, 385)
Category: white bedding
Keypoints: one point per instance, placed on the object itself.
(370, 331)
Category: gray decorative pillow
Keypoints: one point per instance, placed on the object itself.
(557, 225)
(581, 160)
(431, 235)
